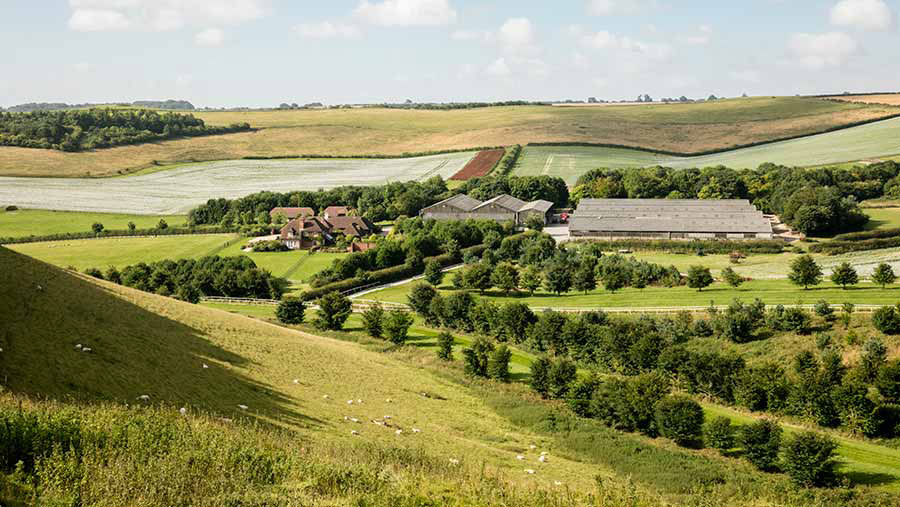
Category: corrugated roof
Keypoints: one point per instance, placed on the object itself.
(459, 201)
(505, 201)
(539, 205)
(669, 215)
(687, 225)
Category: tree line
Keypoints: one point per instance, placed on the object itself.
(189, 279)
(814, 201)
(77, 130)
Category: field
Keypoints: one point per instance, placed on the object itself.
(295, 266)
(28, 222)
(683, 128)
(479, 166)
(877, 98)
(881, 139)
(178, 190)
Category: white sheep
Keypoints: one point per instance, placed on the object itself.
(542, 459)
(379, 423)
(544, 453)
(416, 430)
(205, 366)
(182, 411)
(389, 400)
(144, 397)
(557, 483)
(296, 381)
(387, 417)
(86, 349)
(325, 396)
(529, 471)
(359, 401)
(354, 432)
(520, 457)
(354, 420)
(243, 407)
(349, 402)
(532, 447)
(39, 287)
(398, 432)
(454, 461)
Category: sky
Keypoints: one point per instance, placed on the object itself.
(260, 53)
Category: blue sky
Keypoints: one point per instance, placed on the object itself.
(264, 52)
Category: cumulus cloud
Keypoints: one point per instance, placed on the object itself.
(610, 7)
(210, 38)
(819, 51)
(499, 68)
(516, 35)
(328, 30)
(161, 15)
(863, 14)
(605, 40)
(406, 12)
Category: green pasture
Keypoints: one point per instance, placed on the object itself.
(881, 139)
(33, 222)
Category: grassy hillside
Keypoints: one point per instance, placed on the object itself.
(28, 222)
(876, 140)
(673, 127)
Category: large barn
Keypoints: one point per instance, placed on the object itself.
(669, 219)
(501, 208)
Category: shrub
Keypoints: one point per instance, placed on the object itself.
(540, 376)
(11, 208)
(290, 311)
(719, 434)
(731, 277)
(97, 227)
(94, 272)
(888, 382)
(884, 275)
(476, 357)
(334, 309)
(562, 374)
(433, 273)
(887, 320)
(872, 357)
(680, 419)
(581, 395)
(761, 442)
(699, 277)
(808, 459)
(445, 346)
(844, 275)
(396, 326)
(824, 310)
(419, 298)
(805, 272)
(498, 364)
(373, 320)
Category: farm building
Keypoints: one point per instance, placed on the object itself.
(669, 219)
(306, 232)
(502, 208)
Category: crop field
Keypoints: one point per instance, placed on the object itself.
(32, 222)
(683, 128)
(875, 98)
(874, 140)
(178, 190)
(479, 166)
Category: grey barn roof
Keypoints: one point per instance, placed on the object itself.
(505, 201)
(539, 205)
(735, 216)
(461, 202)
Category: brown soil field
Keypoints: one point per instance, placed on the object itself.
(892, 99)
(479, 166)
(683, 128)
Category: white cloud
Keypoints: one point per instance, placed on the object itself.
(98, 20)
(702, 37)
(161, 15)
(498, 68)
(516, 35)
(470, 35)
(406, 12)
(819, 51)
(184, 81)
(580, 61)
(610, 7)
(210, 38)
(328, 30)
(863, 14)
(604, 40)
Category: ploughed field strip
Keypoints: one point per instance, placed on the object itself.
(479, 166)
(180, 189)
(873, 140)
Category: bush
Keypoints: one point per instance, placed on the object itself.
(477, 357)
(540, 376)
(267, 246)
(888, 382)
(680, 419)
(562, 374)
(808, 459)
(334, 309)
(396, 326)
(761, 442)
(887, 320)
(12, 208)
(94, 272)
(719, 434)
(373, 320)
(290, 311)
(498, 364)
(445, 346)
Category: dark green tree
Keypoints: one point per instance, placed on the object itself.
(479, 277)
(132, 226)
(844, 275)
(334, 309)
(498, 364)
(884, 275)
(699, 277)
(97, 227)
(887, 320)
(162, 224)
(761, 442)
(680, 419)
(373, 320)
(540, 376)
(445, 346)
(614, 279)
(719, 434)
(477, 357)
(808, 459)
(505, 277)
(731, 277)
(563, 374)
(419, 298)
(290, 311)
(433, 273)
(805, 272)
(584, 279)
(558, 277)
(396, 326)
(530, 279)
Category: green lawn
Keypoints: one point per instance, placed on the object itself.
(882, 218)
(120, 252)
(15, 224)
(770, 291)
(857, 143)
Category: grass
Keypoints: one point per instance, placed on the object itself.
(120, 252)
(674, 127)
(769, 291)
(28, 222)
(865, 142)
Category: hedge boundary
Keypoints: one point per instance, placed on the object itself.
(688, 247)
(169, 231)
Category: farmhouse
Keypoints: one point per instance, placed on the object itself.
(669, 219)
(307, 231)
(501, 208)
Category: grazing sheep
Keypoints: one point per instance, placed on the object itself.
(416, 430)
(454, 461)
(182, 411)
(325, 396)
(243, 407)
(205, 366)
(520, 457)
(39, 287)
(379, 423)
(529, 471)
(389, 400)
(353, 419)
(398, 432)
(544, 453)
(387, 417)
(86, 349)
(359, 401)
(296, 381)
(349, 402)
(532, 447)
(144, 397)
(354, 432)
(542, 459)
(557, 483)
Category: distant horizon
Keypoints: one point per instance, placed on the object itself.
(260, 53)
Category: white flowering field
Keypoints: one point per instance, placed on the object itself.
(178, 190)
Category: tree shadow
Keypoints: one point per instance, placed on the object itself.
(133, 351)
(869, 478)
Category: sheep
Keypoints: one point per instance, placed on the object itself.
(387, 417)
(39, 287)
(86, 349)
(532, 447)
(243, 407)
(454, 461)
(520, 457)
(78, 346)
(354, 420)
(296, 381)
(557, 483)
(389, 400)
(325, 396)
(205, 366)
(354, 432)
(544, 453)
(359, 401)
(416, 430)
(542, 459)
(529, 471)
(379, 423)
(349, 402)
(144, 397)
(398, 432)
(182, 411)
